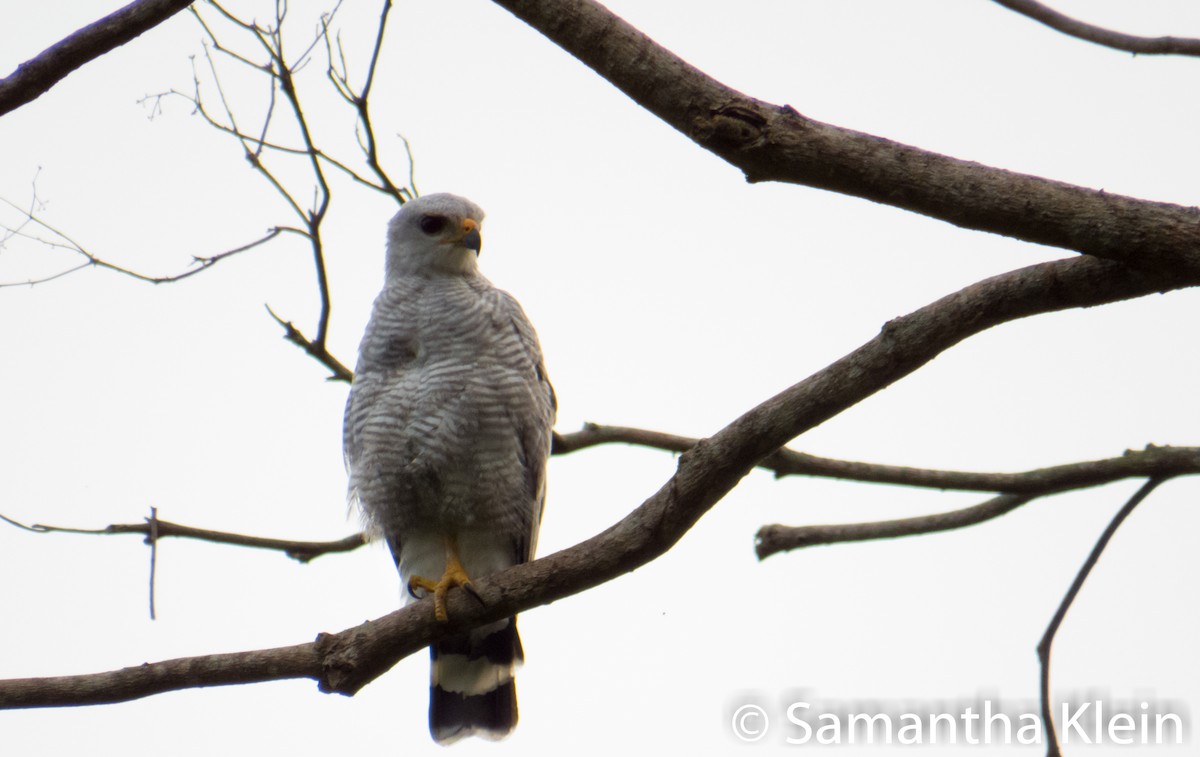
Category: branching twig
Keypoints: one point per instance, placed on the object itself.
(313, 218)
(1101, 36)
(60, 241)
(317, 351)
(154, 529)
(1043, 648)
(361, 103)
(256, 145)
(281, 71)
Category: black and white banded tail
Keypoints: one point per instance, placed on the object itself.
(471, 687)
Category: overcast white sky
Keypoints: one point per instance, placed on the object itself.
(669, 294)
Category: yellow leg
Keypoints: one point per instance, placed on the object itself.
(454, 576)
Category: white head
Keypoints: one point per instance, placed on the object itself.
(435, 233)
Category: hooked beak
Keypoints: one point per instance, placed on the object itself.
(470, 236)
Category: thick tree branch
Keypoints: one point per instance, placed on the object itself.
(775, 143)
(127, 684)
(347, 661)
(37, 75)
(1101, 36)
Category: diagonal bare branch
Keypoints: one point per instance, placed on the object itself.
(37, 75)
(775, 143)
(347, 661)
(1101, 36)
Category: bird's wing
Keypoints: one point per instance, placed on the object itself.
(387, 351)
(535, 420)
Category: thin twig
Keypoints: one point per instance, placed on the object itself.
(36, 528)
(260, 142)
(412, 168)
(1101, 36)
(255, 144)
(212, 37)
(314, 217)
(360, 101)
(154, 530)
(64, 242)
(252, 150)
(281, 73)
(317, 351)
(251, 27)
(303, 58)
(362, 105)
(1043, 648)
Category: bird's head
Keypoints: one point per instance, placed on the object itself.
(438, 232)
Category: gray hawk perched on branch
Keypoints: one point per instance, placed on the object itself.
(447, 433)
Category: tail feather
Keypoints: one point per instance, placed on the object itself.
(471, 689)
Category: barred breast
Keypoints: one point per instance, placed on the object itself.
(444, 380)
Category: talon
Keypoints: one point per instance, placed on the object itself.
(418, 582)
(455, 576)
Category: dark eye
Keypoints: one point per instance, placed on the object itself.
(432, 224)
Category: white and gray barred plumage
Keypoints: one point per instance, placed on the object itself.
(447, 434)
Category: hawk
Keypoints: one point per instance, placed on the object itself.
(447, 433)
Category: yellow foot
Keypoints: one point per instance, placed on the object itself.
(454, 576)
